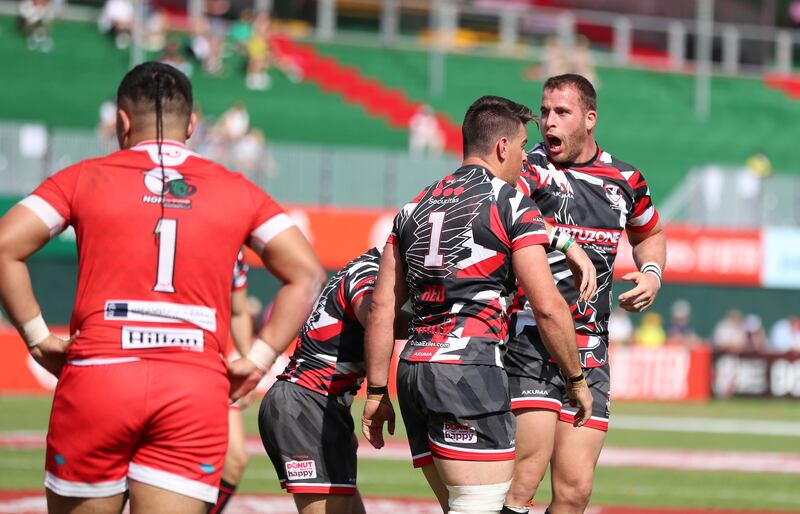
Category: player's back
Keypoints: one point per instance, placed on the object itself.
(155, 249)
(455, 240)
(329, 357)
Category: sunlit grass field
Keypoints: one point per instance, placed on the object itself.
(22, 469)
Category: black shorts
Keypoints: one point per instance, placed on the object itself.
(455, 411)
(310, 440)
(543, 387)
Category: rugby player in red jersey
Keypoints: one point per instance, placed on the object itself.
(592, 197)
(141, 406)
(455, 252)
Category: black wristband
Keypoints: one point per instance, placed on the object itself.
(576, 378)
(377, 389)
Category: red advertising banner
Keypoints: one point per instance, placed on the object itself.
(670, 373)
(339, 234)
(696, 255)
(706, 256)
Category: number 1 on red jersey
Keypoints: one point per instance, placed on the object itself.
(167, 232)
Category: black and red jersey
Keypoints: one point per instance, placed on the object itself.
(455, 241)
(240, 270)
(329, 357)
(596, 202)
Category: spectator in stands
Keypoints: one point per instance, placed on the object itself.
(206, 44)
(650, 333)
(35, 17)
(251, 157)
(730, 334)
(234, 123)
(258, 54)
(620, 327)
(785, 335)
(241, 30)
(155, 31)
(107, 124)
(680, 329)
(582, 62)
(172, 56)
(554, 61)
(424, 133)
(116, 19)
(756, 335)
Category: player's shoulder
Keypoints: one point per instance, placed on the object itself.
(537, 156)
(607, 159)
(365, 264)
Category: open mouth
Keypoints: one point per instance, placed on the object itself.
(554, 144)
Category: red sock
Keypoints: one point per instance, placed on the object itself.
(226, 490)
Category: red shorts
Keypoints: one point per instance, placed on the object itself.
(162, 423)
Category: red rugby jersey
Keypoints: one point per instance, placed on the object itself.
(155, 282)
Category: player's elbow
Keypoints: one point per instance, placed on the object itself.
(548, 307)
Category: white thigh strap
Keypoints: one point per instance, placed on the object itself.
(477, 499)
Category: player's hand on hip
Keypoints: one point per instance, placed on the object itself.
(583, 272)
(244, 376)
(377, 411)
(580, 396)
(51, 354)
(642, 295)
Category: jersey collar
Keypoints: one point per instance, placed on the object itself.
(170, 142)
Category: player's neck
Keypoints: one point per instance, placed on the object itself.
(140, 137)
(495, 168)
(588, 153)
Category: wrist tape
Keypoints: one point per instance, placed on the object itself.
(262, 355)
(35, 331)
(652, 268)
(561, 240)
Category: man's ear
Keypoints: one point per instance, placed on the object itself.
(123, 128)
(502, 147)
(192, 125)
(591, 120)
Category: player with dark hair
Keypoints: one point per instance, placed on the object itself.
(590, 196)
(455, 252)
(305, 420)
(142, 381)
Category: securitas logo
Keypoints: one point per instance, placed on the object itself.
(457, 433)
(168, 186)
(301, 470)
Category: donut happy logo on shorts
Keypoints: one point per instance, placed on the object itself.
(457, 433)
(168, 186)
(301, 470)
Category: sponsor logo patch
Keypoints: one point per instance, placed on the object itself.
(456, 433)
(138, 338)
(172, 188)
(161, 312)
(301, 470)
(534, 392)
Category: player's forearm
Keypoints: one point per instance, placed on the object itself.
(16, 293)
(289, 311)
(652, 248)
(379, 344)
(242, 332)
(558, 336)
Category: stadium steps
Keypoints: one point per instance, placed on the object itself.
(390, 104)
(788, 84)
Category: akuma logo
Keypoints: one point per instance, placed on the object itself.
(174, 182)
